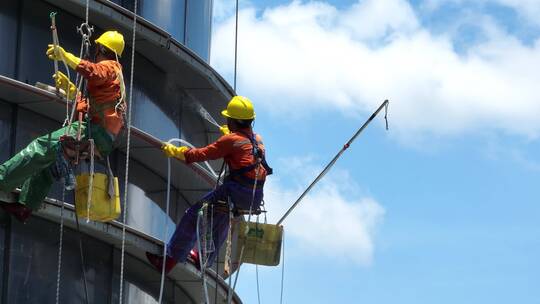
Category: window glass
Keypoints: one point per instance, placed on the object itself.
(33, 265)
(142, 284)
(36, 35)
(5, 131)
(152, 112)
(150, 117)
(144, 214)
(8, 36)
(147, 200)
(167, 14)
(130, 4)
(199, 20)
(3, 221)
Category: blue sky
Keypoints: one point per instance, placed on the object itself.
(442, 208)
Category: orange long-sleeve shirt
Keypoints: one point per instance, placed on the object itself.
(235, 148)
(104, 88)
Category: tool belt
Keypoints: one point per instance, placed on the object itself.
(77, 150)
(223, 207)
(245, 181)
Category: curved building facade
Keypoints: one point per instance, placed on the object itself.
(173, 84)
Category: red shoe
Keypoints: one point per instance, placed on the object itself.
(157, 262)
(194, 258)
(19, 211)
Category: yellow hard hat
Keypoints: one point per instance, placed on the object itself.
(239, 107)
(112, 40)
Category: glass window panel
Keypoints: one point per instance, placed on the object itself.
(145, 215)
(33, 265)
(146, 113)
(199, 20)
(142, 282)
(167, 14)
(36, 35)
(147, 201)
(149, 103)
(8, 36)
(130, 4)
(3, 221)
(5, 130)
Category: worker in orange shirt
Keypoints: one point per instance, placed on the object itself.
(34, 166)
(244, 153)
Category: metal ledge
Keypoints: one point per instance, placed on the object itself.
(136, 244)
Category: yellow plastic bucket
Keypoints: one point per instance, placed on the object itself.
(262, 243)
(103, 208)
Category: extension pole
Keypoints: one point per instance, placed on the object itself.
(55, 43)
(333, 161)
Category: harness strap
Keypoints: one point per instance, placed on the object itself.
(259, 157)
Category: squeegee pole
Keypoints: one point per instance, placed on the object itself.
(333, 161)
(55, 43)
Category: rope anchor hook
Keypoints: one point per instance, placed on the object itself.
(86, 31)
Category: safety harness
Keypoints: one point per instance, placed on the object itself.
(238, 175)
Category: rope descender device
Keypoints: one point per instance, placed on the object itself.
(86, 32)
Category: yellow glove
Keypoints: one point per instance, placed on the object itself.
(224, 130)
(62, 82)
(58, 53)
(171, 150)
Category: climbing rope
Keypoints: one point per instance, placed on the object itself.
(122, 257)
(162, 283)
(60, 242)
(217, 270)
(202, 264)
(56, 43)
(90, 180)
(282, 267)
(81, 252)
(246, 231)
(257, 276)
(236, 47)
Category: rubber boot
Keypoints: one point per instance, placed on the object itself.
(194, 258)
(19, 211)
(157, 262)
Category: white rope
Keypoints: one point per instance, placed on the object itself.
(59, 264)
(90, 180)
(162, 284)
(56, 43)
(247, 229)
(201, 264)
(257, 270)
(282, 267)
(87, 10)
(122, 257)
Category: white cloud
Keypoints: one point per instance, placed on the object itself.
(327, 222)
(311, 56)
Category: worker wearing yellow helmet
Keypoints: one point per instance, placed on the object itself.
(104, 106)
(244, 153)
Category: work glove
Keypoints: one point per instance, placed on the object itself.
(58, 53)
(62, 82)
(171, 150)
(224, 130)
